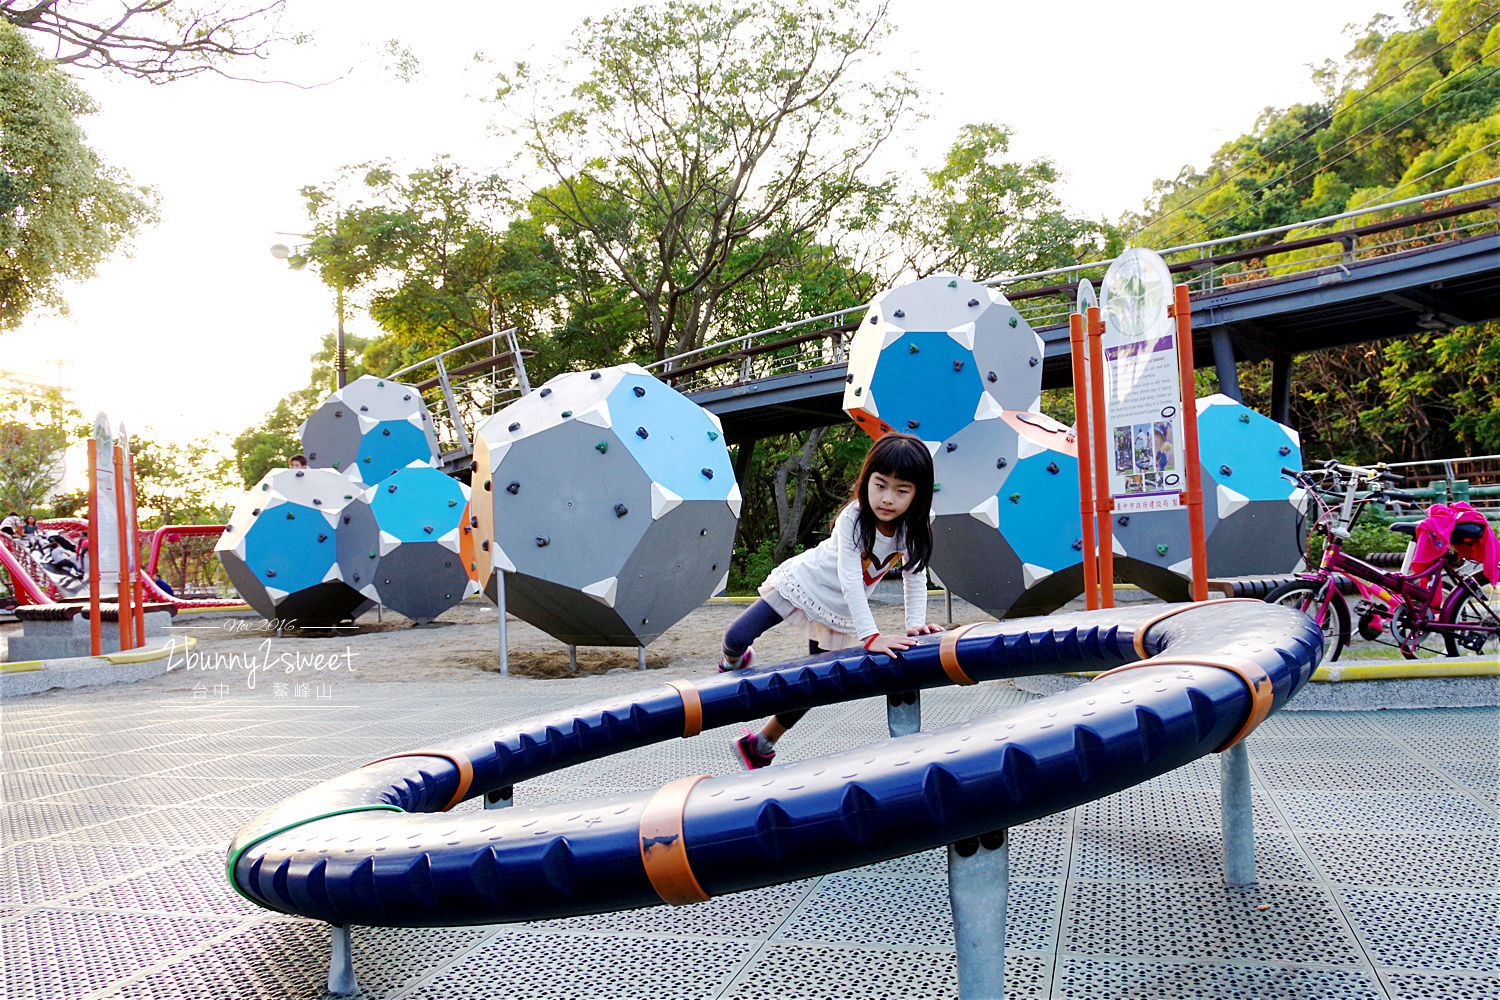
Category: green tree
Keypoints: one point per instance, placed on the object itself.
(35, 432)
(982, 215)
(180, 483)
(695, 128)
(62, 209)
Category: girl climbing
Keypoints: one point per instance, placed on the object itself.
(885, 525)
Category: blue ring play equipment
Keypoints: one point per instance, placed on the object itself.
(375, 846)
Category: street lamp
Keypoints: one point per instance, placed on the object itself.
(283, 252)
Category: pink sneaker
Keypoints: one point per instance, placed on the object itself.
(746, 658)
(747, 749)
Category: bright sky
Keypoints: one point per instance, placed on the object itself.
(202, 331)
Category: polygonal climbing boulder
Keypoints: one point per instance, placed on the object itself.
(281, 552)
(608, 500)
(936, 354)
(1006, 525)
(370, 429)
(400, 542)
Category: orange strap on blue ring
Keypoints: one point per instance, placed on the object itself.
(663, 851)
(948, 654)
(692, 707)
(464, 765)
(1145, 626)
(1252, 673)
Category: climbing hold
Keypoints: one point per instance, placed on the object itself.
(513, 488)
(380, 385)
(958, 366)
(546, 391)
(594, 375)
(1123, 520)
(452, 503)
(391, 488)
(621, 510)
(255, 512)
(713, 435)
(848, 378)
(338, 413)
(312, 456)
(639, 391)
(317, 502)
(702, 532)
(1284, 450)
(1078, 545)
(602, 447)
(567, 413)
(937, 487)
(1014, 321)
(953, 283)
(1225, 470)
(228, 527)
(367, 459)
(474, 521)
(427, 529)
(1161, 549)
(911, 425)
(364, 409)
(290, 516)
(356, 577)
(859, 390)
(300, 473)
(973, 303)
(485, 545)
(1033, 361)
(913, 349)
(951, 446)
(874, 320)
(1015, 498)
(542, 541)
(385, 432)
(322, 538)
(1001, 463)
(1052, 468)
(1244, 418)
(265, 486)
(406, 397)
(348, 496)
(346, 518)
(899, 314)
(486, 489)
(990, 377)
(707, 472)
(641, 433)
(270, 572)
(514, 427)
(372, 553)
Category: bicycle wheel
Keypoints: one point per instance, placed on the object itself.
(1332, 616)
(1466, 609)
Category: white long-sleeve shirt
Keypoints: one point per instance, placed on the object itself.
(830, 584)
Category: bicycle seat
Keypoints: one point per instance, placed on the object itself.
(1466, 533)
(1408, 528)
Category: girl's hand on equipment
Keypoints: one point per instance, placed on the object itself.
(889, 644)
(924, 630)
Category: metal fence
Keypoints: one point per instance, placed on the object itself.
(460, 393)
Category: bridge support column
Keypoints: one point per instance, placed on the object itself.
(978, 889)
(1229, 379)
(1281, 387)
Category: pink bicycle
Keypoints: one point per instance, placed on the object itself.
(1443, 608)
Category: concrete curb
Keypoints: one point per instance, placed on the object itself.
(36, 676)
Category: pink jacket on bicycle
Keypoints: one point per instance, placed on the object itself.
(1434, 539)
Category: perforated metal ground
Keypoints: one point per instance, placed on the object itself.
(1377, 836)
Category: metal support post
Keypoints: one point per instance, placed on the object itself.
(500, 798)
(978, 888)
(453, 411)
(500, 606)
(903, 713)
(948, 604)
(572, 658)
(1239, 825)
(1229, 378)
(641, 658)
(1281, 387)
(341, 980)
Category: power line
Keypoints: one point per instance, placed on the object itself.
(1204, 224)
(1311, 129)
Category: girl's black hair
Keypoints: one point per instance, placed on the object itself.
(900, 456)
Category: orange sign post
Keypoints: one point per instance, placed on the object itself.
(1104, 504)
(1086, 505)
(1192, 497)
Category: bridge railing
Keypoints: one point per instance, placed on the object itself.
(460, 393)
(1327, 245)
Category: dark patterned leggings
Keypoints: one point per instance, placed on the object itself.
(745, 629)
